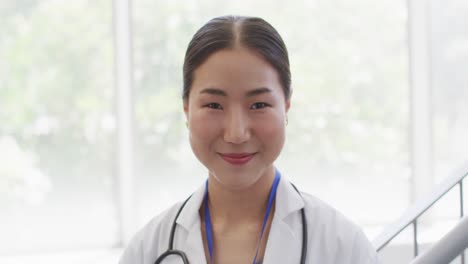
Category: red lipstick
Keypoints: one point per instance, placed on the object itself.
(237, 158)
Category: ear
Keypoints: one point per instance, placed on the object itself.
(186, 108)
(287, 105)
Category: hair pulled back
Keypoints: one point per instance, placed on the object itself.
(227, 32)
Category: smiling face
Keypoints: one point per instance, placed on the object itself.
(236, 113)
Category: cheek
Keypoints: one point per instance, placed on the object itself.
(202, 130)
(272, 132)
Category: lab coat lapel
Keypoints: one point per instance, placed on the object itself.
(285, 239)
(191, 241)
(194, 245)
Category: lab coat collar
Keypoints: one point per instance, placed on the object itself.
(287, 201)
(189, 220)
(189, 215)
(282, 237)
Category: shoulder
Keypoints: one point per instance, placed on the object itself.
(325, 215)
(151, 239)
(336, 234)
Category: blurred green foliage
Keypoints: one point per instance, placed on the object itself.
(56, 88)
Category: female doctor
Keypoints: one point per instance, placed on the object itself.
(236, 98)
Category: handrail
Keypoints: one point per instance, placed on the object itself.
(414, 212)
(447, 248)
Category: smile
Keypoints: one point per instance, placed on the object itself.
(237, 158)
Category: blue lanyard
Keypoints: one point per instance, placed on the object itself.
(209, 227)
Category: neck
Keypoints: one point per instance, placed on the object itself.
(229, 206)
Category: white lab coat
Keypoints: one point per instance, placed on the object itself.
(332, 239)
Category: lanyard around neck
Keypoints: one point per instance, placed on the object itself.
(209, 227)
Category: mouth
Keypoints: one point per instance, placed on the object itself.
(237, 158)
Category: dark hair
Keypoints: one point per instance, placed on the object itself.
(229, 31)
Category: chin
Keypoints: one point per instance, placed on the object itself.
(236, 179)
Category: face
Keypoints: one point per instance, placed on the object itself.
(236, 114)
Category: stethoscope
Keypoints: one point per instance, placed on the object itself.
(183, 256)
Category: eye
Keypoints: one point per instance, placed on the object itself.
(259, 105)
(213, 106)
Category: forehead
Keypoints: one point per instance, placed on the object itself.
(235, 71)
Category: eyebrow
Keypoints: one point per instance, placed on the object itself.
(219, 92)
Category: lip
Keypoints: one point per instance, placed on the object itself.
(237, 158)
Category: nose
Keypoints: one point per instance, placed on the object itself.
(236, 128)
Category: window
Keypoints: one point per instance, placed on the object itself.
(57, 126)
(449, 53)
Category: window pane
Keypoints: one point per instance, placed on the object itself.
(56, 125)
(449, 24)
(347, 134)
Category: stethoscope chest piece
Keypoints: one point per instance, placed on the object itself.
(174, 252)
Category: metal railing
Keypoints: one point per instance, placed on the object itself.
(410, 217)
(448, 247)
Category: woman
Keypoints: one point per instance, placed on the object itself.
(236, 98)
